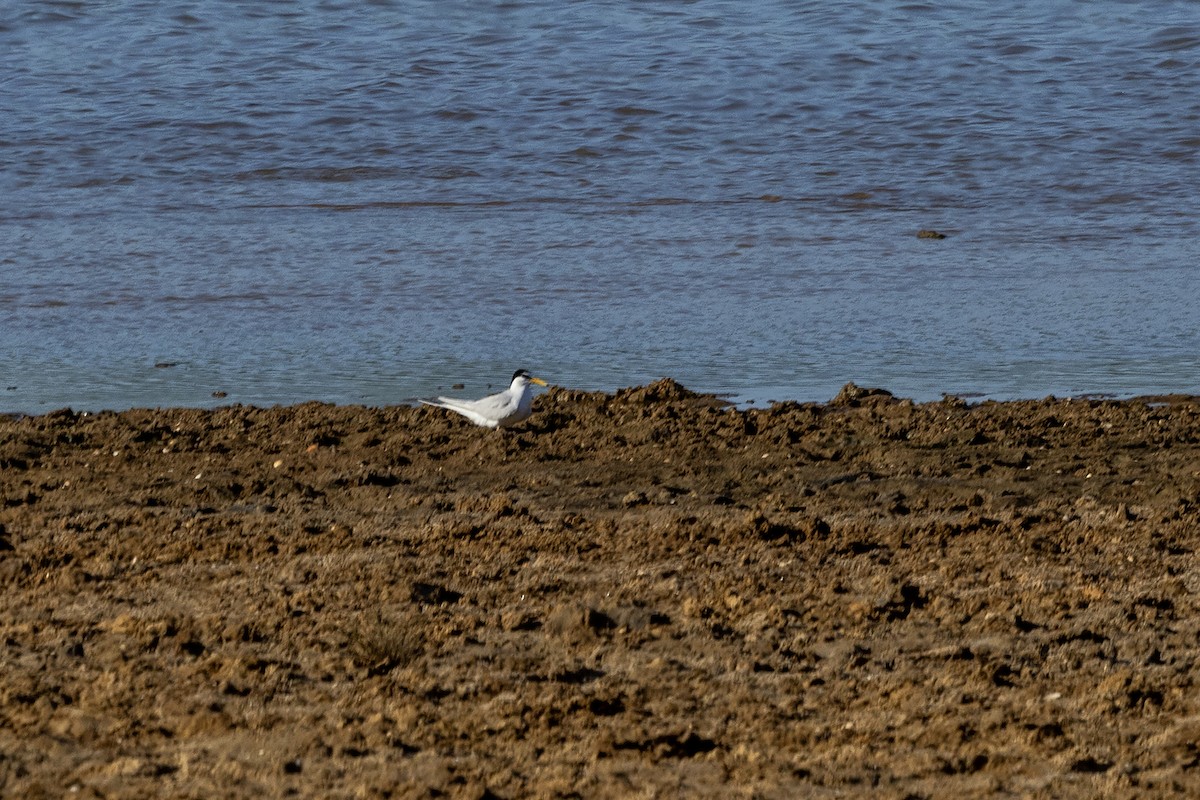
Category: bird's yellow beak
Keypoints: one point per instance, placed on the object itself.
(538, 381)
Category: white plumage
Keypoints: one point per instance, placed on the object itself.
(501, 410)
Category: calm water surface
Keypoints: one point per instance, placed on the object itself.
(365, 202)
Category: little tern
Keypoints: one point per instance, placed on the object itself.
(501, 410)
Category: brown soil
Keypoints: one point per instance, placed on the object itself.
(634, 595)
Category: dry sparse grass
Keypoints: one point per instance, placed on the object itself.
(380, 644)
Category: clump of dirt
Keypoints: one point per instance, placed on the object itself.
(648, 592)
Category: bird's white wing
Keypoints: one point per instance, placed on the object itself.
(496, 405)
(489, 411)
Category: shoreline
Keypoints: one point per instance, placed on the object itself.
(633, 592)
(732, 400)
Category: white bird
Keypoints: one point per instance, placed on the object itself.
(501, 410)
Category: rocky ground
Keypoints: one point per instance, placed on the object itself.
(644, 594)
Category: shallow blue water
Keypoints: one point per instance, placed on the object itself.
(366, 202)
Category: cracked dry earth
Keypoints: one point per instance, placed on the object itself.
(644, 594)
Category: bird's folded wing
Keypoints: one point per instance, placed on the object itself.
(493, 407)
(497, 405)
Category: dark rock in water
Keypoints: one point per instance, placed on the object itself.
(928, 234)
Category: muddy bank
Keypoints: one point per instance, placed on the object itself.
(640, 594)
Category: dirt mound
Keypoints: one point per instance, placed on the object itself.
(852, 395)
(640, 593)
(661, 391)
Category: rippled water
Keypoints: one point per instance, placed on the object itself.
(367, 201)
